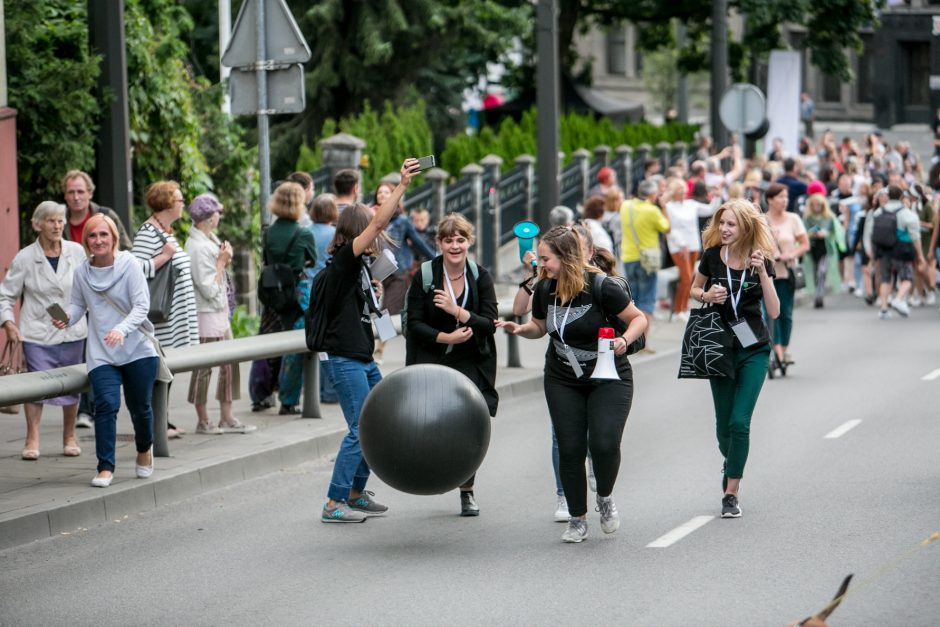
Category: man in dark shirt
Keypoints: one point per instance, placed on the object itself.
(795, 185)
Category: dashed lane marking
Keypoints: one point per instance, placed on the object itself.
(843, 429)
(679, 532)
(930, 376)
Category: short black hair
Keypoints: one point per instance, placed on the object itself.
(788, 164)
(895, 192)
(345, 181)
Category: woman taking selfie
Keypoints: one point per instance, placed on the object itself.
(736, 274)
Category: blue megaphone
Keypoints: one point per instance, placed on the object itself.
(525, 233)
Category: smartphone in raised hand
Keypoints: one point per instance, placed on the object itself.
(426, 163)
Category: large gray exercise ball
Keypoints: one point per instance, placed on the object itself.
(424, 429)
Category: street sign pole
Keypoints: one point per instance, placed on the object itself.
(264, 146)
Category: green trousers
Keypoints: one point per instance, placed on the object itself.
(734, 403)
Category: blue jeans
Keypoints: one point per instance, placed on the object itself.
(327, 387)
(137, 378)
(642, 284)
(291, 377)
(354, 379)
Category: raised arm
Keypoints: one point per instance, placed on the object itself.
(385, 213)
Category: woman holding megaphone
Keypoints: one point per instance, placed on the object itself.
(586, 412)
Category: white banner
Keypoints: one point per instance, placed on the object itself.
(784, 81)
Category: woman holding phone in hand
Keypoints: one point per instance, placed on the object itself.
(42, 275)
(736, 274)
(451, 322)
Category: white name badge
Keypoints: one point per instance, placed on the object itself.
(742, 330)
(323, 356)
(573, 362)
(383, 324)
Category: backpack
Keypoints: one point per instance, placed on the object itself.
(277, 283)
(427, 276)
(316, 316)
(597, 296)
(884, 231)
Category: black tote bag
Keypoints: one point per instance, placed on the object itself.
(707, 346)
(162, 287)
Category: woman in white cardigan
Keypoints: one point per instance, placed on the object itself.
(42, 274)
(209, 258)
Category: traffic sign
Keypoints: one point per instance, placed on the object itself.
(285, 43)
(285, 90)
(743, 108)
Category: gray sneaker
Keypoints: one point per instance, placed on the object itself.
(610, 519)
(341, 514)
(364, 503)
(468, 504)
(576, 531)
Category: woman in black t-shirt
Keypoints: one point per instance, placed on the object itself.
(585, 412)
(348, 345)
(736, 274)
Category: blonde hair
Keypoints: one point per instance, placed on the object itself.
(287, 201)
(735, 191)
(92, 223)
(752, 227)
(566, 245)
(672, 186)
(816, 201)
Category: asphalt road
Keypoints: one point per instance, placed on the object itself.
(815, 510)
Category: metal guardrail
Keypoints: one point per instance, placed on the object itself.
(36, 386)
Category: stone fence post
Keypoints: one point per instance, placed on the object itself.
(492, 165)
(527, 163)
(342, 151)
(582, 157)
(438, 178)
(626, 168)
(602, 154)
(475, 173)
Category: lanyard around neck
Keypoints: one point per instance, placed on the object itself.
(735, 300)
(564, 321)
(466, 290)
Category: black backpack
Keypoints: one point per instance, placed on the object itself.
(277, 284)
(884, 230)
(597, 296)
(317, 315)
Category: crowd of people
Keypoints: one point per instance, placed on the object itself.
(745, 235)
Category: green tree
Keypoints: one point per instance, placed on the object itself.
(832, 28)
(52, 78)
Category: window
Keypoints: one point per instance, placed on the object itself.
(863, 85)
(617, 52)
(916, 88)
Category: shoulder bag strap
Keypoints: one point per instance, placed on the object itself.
(121, 311)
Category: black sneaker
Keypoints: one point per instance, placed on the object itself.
(364, 503)
(730, 507)
(468, 505)
(288, 410)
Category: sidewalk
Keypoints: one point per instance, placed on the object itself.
(53, 495)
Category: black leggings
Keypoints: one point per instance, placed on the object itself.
(598, 408)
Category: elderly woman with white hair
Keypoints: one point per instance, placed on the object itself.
(41, 274)
(210, 257)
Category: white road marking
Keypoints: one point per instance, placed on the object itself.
(931, 375)
(843, 429)
(679, 532)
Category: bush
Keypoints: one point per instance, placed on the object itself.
(577, 131)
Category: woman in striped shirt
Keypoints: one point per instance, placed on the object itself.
(155, 245)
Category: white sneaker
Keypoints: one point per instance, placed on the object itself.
(900, 306)
(561, 514)
(931, 297)
(610, 519)
(915, 301)
(885, 314)
(576, 531)
(84, 421)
